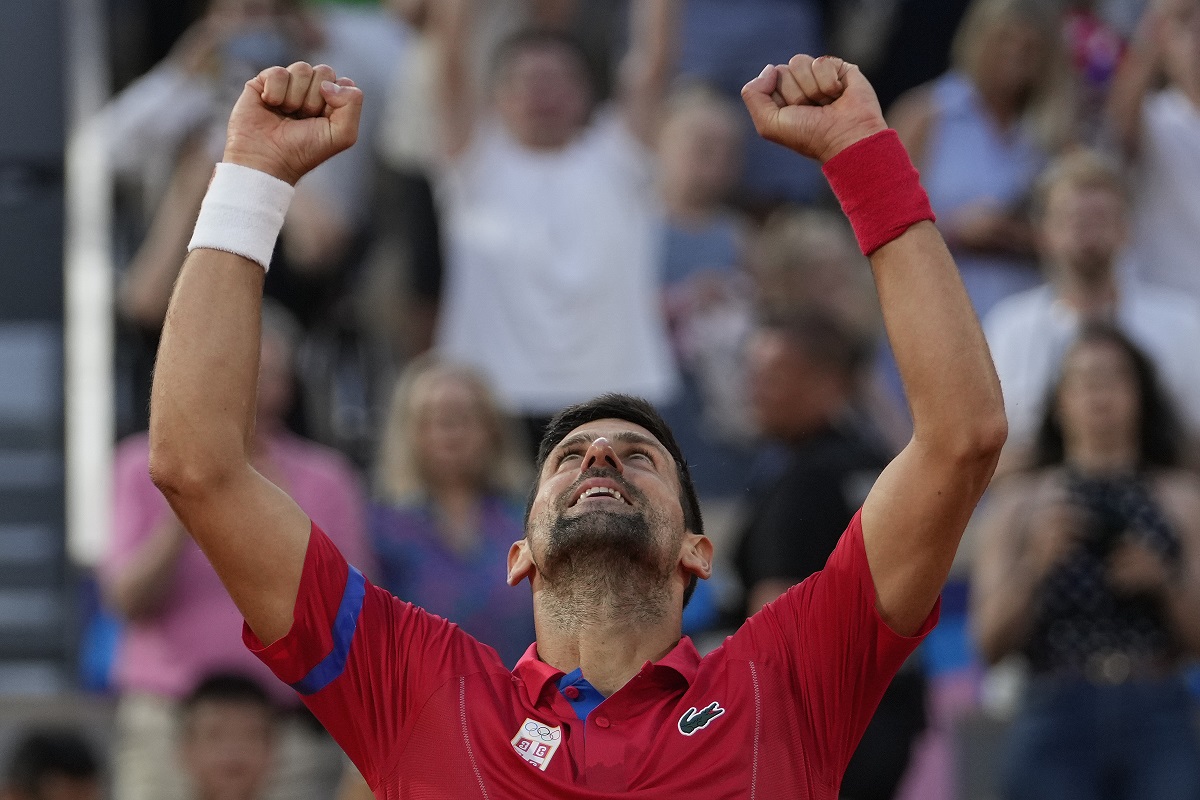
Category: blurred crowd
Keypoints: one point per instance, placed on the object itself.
(552, 199)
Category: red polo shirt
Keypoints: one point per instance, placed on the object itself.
(426, 712)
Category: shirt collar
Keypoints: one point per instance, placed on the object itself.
(683, 660)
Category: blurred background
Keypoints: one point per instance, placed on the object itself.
(555, 198)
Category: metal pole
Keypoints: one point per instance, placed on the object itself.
(88, 277)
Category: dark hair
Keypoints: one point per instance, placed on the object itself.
(527, 39)
(639, 412)
(824, 337)
(228, 687)
(45, 754)
(1159, 431)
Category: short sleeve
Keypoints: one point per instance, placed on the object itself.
(838, 651)
(363, 661)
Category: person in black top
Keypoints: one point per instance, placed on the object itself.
(823, 459)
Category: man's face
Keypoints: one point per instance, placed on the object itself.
(543, 96)
(790, 395)
(607, 517)
(1083, 229)
(227, 749)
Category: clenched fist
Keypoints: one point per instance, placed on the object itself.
(817, 107)
(288, 121)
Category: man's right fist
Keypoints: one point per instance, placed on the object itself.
(288, 121)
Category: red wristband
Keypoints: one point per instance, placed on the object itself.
(879, 189)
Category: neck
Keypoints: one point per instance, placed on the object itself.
(1004, 108)
(685, 207)
(609, 649)
(458, 507)
(1101, 458)
(1090, 294)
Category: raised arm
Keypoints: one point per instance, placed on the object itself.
(1140, 70)
(450, 23)
(646, 70)
(915, 515)
(203, 400)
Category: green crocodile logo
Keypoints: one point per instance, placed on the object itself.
(693, 720)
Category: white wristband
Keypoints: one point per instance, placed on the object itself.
(242, 213)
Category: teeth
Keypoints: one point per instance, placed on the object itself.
(596, 490)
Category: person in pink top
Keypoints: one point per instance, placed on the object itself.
(181, 624)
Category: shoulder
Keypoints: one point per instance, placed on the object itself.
(1179, 490)
(1152, 301)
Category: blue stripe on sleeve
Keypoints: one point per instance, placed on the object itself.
(344, 625)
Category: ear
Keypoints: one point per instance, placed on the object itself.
(696, 554)
(520, 562)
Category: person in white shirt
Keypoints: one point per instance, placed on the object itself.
(1160, 130)
(550, 217)
(1083, 225)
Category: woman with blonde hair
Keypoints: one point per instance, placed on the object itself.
(983, 131)
(448, 486)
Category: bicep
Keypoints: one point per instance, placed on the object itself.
(912, 522)
(255, 536)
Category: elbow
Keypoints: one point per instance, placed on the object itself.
(977, 442)
(182, 471)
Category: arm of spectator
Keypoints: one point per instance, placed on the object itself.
(203, 401)
(145, 288)
(450, 23)
(138, 590)
(1027, 529)
(917, 511)
(646, 70)
(912, 117)
(1139, 72)
(1137, 569)
(316, 234)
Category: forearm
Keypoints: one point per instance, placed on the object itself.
(1181, 602)
(948, 375)
(1134, 79)
(450, 23)
(203, 397)
(139, 590)
(1002, 617)
(648, 66)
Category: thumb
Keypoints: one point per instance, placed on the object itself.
(343, 101)
(757, 95)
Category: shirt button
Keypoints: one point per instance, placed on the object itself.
(571, 693)
(601, 722)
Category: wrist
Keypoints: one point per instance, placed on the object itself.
(246, 157)
(850, 139)
(878, 188)
(242, 213)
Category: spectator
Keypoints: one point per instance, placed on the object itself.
(166, 130)
(705, 287)
(549, 211)
(1160, 129)
(52, 765)
(810, 481)
(982, 132)
(228, 738)
(1090, 569)
(182, 624)
(1083, 224)
(722, 42)
(450, 480)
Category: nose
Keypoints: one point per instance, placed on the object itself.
(601, 454)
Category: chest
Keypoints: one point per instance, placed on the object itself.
(716, 739)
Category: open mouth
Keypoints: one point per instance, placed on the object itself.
(598, 490)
